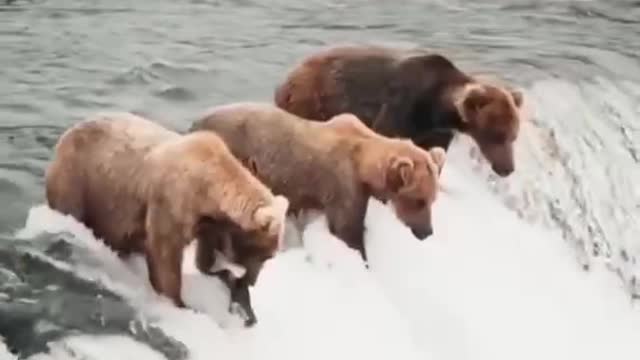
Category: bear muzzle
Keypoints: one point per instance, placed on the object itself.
(422, 232)
(503, 170)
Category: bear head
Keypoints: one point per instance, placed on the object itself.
(490, 115)
(270, 220)
(412, 184)
(260, 244)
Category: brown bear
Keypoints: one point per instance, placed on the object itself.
(406, 93)
(332, 166)
(143, 188)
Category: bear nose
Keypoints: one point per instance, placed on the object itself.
(422, 233)
(503, 170)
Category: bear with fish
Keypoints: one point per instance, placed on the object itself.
(347, 124)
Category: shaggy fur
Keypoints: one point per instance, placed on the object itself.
(143, 188)
(333, 167)
(414, 94)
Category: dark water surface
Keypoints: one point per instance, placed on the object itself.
(579, 61)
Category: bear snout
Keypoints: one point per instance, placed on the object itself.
(500, 157)
(422, 232)
(503, 170)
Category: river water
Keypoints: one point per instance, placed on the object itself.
(577, 61)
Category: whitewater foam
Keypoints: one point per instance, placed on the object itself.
(577, 169)
(80, 347)
(484, 286)
(4, 352)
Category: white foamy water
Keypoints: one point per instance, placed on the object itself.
(4, 352)
(486, 286)
(82, 347)
(578, 170)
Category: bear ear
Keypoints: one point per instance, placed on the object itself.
(400, 173)
(263, 217)
(474, 98)
(517, 97)
(273, 214)
(439, 156)
(280, 207)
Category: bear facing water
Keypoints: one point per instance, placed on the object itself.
(414, 94)
(333, 166)
(143, 188)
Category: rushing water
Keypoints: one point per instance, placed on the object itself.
(578, 62)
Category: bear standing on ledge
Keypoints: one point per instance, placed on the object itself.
(413, 94)
(334, 166)
(143, 188)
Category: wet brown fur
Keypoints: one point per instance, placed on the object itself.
(142, 188)
(414, 94)
(333, 166)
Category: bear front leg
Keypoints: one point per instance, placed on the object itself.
(163, 248)
(240, 297)
(205, 255)
(346, 221)
(165, 273)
